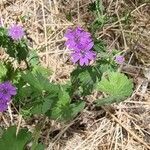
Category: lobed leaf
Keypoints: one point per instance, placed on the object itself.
(116, 85)
(12, 141)
(85, 78)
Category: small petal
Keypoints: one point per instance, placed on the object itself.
(89, 45)
(83, 61)
(3, 107)
(6, 97)
(75, 57)
(86, 62)
(90, 55)
(13, 92)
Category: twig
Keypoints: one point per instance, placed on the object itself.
(128, 130)
(18, 127)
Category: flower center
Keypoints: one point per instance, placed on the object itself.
(82, 52)
(16, 32)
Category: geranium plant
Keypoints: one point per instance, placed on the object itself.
(32, 93)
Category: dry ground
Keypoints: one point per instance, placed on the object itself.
(120, 127)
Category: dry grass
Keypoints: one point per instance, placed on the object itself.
(121, 127)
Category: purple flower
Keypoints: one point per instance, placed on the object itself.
(7, 90)
(78, 39)
(119, 59)
(80, 42)
(84, 57)
(3, 107)
(16, 32)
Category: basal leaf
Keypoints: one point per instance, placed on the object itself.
(10, 141)
(116, 85)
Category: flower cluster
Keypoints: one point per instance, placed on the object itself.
(119, 59)
(7, 90)
(80, 42)
(16, 32)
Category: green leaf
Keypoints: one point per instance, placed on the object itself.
(77, 107)
(43, 106)
(99, 6)
(12, 74)
(41, 70)
(85, 78)
(47, 105)
(33, 80)
(40, 146)
(71, 110)
(99, 46)
(106, 67)
(62, 109)
(96, 6)
(33, 58)
(10, 141)
(34, 62)
(55, 113)
(67, 112)
(37, 94)
(37, 109)
(63, 96)
(39, 82)
(24, 92)
(22, 51)
(3, 71)
(60, 105)
(116, 85)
